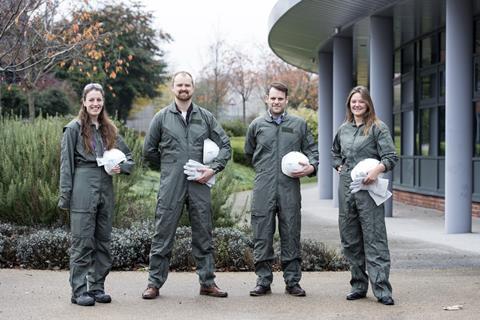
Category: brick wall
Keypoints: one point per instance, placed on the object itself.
(431, 202)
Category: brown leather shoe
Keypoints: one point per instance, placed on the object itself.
(150, 293)
(213, 291)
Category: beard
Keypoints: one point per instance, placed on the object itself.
(184, 96)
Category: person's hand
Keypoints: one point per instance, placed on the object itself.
(373, 174)
(207, 173)
(116, 169)
(306, 169)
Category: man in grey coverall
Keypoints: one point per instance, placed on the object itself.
(176, 135)
(268, 139)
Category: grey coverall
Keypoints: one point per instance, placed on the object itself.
(275, 193)
(361, 221)
(87, 191)
(170, 142)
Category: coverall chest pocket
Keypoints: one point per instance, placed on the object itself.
(266, 138)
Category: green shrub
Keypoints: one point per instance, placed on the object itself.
(235, 128)
(310, 116)
(49, 102)
(131, 247)
(44, 249)
(30, 167)
(29, 170)
(238, 154)
(49, 249)
(52, 102)
(233, 250)
(316, 256)
(14, 101)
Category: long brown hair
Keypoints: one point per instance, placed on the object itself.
(108, 130)
(369, 117)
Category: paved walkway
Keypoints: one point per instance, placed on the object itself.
(430, 270)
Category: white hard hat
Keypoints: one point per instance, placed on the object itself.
(363, 167)
(210, 151)
(290, 162)
(111, 158)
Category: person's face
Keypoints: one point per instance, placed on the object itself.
(93, 103)
(182, 87)
(358, 106)
(276, 101)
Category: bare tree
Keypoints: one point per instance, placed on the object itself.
(212, 85)
(34, 39)
(242, 77)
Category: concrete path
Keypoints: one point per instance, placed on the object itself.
(430, 270)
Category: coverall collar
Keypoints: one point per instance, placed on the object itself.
(269, 118)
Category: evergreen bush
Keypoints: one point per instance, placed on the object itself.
(235, 128)
(30, 167)
(44, 249)
(49, 249)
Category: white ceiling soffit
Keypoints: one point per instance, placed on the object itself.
(298, 29)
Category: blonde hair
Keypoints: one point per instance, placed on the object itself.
(369, 117)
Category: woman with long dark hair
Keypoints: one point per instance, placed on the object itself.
(361, 221)
(86, 190)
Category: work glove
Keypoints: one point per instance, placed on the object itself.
(357, 185)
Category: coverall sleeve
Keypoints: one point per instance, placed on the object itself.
(310, 149)
(67, 167)
(126, 167)
(151, 154)
(386, 147)
(218, 135)
(250, 143)
(336, 152)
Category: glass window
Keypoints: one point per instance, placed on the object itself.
(441, 85)
(441, 131)
(429, 53)
(423, 133)
(477, 76)
(477, 37)
(407, 92)
(397, 95)
(407, 59)
(397, 132)
(427, 86)
(442, 47)
(397, 68)
(476, 129)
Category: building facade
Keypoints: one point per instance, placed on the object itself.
(421, 61)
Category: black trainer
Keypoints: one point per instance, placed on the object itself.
(355, 296)
(388, 301)
(260, 291)
(295, 290)
(83, 300)
(100, 296)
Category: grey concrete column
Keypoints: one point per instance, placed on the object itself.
(342, 84)
(458, 116)
(381, 76)
(325, 127)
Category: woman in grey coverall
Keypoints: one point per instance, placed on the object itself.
(86, 190)
(361, 221)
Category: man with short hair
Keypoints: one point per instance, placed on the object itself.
(268, 139)
(176, 135)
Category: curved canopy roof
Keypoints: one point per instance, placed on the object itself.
(299, 29)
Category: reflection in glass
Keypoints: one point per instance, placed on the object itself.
(397, 132)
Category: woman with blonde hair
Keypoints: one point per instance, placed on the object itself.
(86, 190)
(361, 221)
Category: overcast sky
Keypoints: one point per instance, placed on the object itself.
(194, 24)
